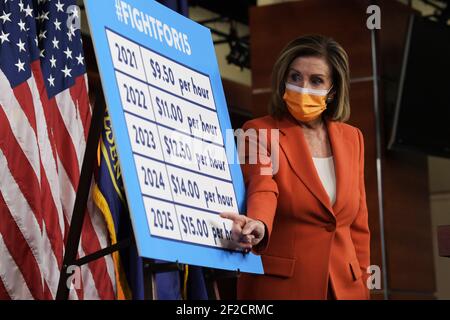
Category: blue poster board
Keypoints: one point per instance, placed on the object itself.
(169, 118)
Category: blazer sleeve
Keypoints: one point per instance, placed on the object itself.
(360, 232)
(261, 188)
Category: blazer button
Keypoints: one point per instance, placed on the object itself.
(330, 227)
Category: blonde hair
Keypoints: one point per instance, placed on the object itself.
(337, 59)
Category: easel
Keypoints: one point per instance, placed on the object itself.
(70, 257)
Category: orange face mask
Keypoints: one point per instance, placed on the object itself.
(305, 104)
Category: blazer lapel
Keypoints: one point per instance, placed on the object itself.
(343, 156)
(294, 145)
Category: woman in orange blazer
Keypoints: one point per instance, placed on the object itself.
(308, 219)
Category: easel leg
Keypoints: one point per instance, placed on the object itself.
(149, 281)
(211, 284)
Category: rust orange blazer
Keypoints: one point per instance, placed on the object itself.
(309, 242)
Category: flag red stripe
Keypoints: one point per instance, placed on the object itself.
(69, 160)
(19, 167)
(41, 153)
(66, 227)
(62, 141)
(89, 240)
(24, 98)
(65, 148)
(99, 270)
(38, 195)
(47, 293)
(20, 251)
(36, 70)
(50, 216)
(3, 293)
(80, 291)
(88, 245)
(81, 99)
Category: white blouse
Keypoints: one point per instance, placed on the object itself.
(325, 170)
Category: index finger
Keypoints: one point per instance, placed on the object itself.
(237, 218)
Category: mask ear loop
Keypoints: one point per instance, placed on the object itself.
(328, 98)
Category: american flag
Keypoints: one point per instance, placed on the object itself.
(44, 122)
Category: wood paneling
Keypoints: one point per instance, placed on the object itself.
(405, 174)
(444, 241)
(238, 95)
(272, 27)
(399, 295)
(407, 222)
(260, 104)
(394, 17)
(411, 296)
(362, 116)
